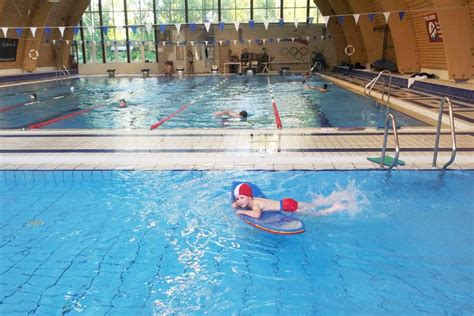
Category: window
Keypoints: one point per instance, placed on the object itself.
(264, 10)
(200, 11)
(235, 10)
(141, 34)
(92, 39)
(294, 10)
(170, 11)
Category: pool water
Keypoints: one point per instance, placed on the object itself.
(153, 99)
(132, 242)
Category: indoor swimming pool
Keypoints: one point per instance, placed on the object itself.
(187, 102)
(137, 242)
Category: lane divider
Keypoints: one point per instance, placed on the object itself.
(63, 117)
(274, 105)
(184, 107)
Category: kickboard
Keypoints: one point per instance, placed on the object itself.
(387, 161)
(275, 222)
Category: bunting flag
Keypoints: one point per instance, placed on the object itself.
(67, 42)
(281, 22)
(266, 23)
(178, 26)
(5, 31)
(356, 18)
(33, 31)
(323, 37)
(54, 42)
(386, 15)
(19, 31)
(134, 28)
(47, 30)
(192, 43)
(326, 19)
(148, 27)
(61, 30)
(341, 19)
(205, 42)
(296, 24)
(249, 41)
(207, 25)
(307, 38)
(220, 43)
(76, 30)
(105, 29)
(263, 41)
(192, 27)
(401, 15)
(309, 20)
(221, 25)
(278, 40)
(90, 29)
(227, 42)
(236, 24)
(292, 39)
(371, 17)
(270, 40)
(235, 42)
(162, 28)
(164, 43)
(251, 24)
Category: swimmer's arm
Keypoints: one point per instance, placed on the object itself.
(234, 204)
(255, 212)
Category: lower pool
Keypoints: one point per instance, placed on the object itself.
(124, 243)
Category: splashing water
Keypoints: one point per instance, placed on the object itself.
(349, 200)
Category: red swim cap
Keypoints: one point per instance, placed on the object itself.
(243, 189)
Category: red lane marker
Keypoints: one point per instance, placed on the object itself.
(11, 107)
(277, 116)
(64, 117)
(181, 109)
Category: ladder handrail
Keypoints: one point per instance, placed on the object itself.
(384, 146)
(372, 83)
(438, 132)
(67, 73)
(320, 67)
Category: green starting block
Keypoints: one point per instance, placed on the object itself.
(387, 161)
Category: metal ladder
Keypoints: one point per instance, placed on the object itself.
(390, 117)
(385, 89)
(438, 132)
(62, 73)
(316, 65)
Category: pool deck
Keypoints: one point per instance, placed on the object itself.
(246, 149)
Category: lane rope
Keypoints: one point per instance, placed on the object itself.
(274, 105)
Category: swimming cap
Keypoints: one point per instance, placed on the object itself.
(243, 189)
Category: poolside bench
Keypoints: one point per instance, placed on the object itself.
(111, 73)
(145, 72)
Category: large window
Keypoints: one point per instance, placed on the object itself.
(200, 11)
(235, 10)
(170, 11)
(92, 38)
(266, 10)
(294, 10)
(142, 34)
(113, 16)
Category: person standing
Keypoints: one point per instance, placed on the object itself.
(190, 57)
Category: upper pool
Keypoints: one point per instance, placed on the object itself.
(190, 101)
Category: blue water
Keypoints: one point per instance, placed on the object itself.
(150, 100)
(138, 243)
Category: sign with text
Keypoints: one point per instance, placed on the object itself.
(8, 47)
(432, 25)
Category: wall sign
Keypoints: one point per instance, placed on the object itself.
(8, 47)
(434, 30)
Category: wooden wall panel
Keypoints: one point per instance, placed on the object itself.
(471, 17)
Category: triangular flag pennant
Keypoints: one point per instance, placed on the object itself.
(235, 42)
(307, 38)
(241, 42)
(148, 27)
(249, 41)
(76, 30)
(90, 29)
(105, 29)
(310, 19)
(281, 22)
(371, 17)
(61, 30)
(143, 43)
(401, 15)
(236, 24)
(296, 24)
(266, 23)
(162, 28)
(292, 39)
(67, 42)
(205, 42)
(251, 24)
(263, 41)
(19, 31)
(326, 19)
(54, 42)
(356, 17)
(164, 43)
(341, 19)
(323, 37)
(220, 43)
(257, 40)
(5, 31)
(33, 30)
(192, 43)
(134, 29)
(386, 14)
(278, 40)
(221, 25)
(47, 30)
(207, 25)
(178, 26)
(270, 40)
(227, 42)
(192, 26)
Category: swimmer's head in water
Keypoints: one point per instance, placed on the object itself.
(304, 81)
(244, 114)
(33, 96)
(325, 86)
(122, 103)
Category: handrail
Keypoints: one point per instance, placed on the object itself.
(372, 83)
(68, 74)
(320, 67)
(395, 135)
(438, 131)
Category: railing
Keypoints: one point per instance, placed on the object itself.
(395, 136)
(385, 90)
(62, 73)
(438, 131)
(315, 66)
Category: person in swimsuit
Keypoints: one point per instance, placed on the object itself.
(241, 114)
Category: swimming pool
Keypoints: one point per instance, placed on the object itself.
(168, 243)
(93, 105)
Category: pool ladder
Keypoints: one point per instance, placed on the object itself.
(62, 73)
(319, 67)
(385, 88)
(438, 132)
(390, 118)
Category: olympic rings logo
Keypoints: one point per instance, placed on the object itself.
(349, 50)
(295, 52)
(33, 54)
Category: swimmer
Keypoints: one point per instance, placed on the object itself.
(253, 206)
(241, 114)
(33, 96)
(72, 89)
(122, 103)
(322, 89)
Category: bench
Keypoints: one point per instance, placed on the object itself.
(111, 73)
(145, 72)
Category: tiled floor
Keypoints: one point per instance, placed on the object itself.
(224, 149)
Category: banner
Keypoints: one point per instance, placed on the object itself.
(432, 25)
(8, 47)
